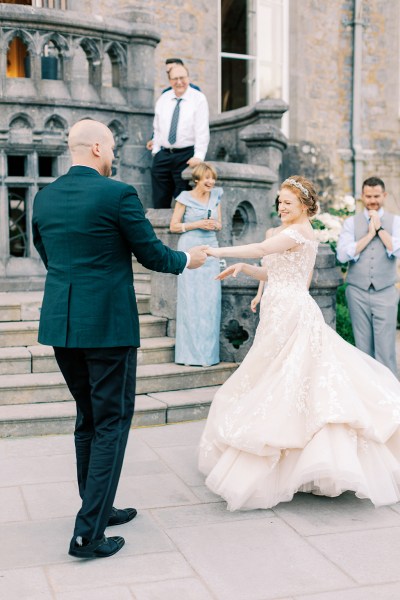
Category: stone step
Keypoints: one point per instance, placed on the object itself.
(138, 268)
(152, 409)
(34, 388)
(40, 359)
(24, 333)
(25, 306)
(142, 283)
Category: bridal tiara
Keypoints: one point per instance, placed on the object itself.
(300, 187)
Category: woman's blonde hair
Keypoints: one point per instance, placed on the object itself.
(200, 171)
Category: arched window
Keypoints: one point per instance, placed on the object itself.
(253, 51)
(107, 71)
(80, 66)
(52, 61)
(18, 59)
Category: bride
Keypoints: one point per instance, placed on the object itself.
(305, 411)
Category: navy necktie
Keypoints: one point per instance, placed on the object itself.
(174, 122)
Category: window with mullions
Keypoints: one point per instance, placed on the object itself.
(17, 219)
(252, 42)
(24, 175)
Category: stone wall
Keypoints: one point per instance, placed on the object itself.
(321, 55)
(189, 30)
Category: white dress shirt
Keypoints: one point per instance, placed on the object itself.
(346, 246)
(193, 125)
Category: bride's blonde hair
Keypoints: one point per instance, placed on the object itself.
(305, 192)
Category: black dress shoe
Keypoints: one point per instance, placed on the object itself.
(119, 516)
(96, 549)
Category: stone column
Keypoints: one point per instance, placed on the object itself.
(326, 279)
(238, 323)
(265, 144)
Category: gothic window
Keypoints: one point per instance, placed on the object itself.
(253, 39)
(25, 173)
(52, 61)
(18, 59)
(112, 65)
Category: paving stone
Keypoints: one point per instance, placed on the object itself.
(311, 515)
(177, 589)
(118, 570)
(183, 460)
(187, 516)
(52, 500)
(389, 591)
(267, 553)
(24, 584)
(29, 470)
(153, 491)
(369, 556)
(103, 593)
(38, 446)
(204, 494)
(12, 506)
(35, 543)
(184, 434)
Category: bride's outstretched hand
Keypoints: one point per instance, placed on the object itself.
(212, 252)
(233, 270)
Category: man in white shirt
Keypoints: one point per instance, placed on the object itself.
(370, 242)
(181, 136)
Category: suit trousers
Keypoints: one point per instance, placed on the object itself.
(102, 382)
(166, 175)
(374, 318)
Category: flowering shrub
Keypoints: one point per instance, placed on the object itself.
(329, 224)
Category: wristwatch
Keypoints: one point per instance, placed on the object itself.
(380, 229)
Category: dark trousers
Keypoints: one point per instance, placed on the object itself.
(166, 175)
(102, 382)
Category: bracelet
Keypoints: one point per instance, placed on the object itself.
(380, 229)
(183, 228)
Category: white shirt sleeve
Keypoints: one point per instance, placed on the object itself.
(395, 238)
(346, 246)
(201, 129)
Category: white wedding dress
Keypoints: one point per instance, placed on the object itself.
(305, 411)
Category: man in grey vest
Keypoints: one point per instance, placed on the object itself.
(370, 242)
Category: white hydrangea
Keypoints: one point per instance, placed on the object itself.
(346, 202)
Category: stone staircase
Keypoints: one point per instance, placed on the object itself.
(35, 400)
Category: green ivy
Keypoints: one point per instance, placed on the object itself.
(343, 320)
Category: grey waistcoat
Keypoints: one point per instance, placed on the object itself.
(374, 266)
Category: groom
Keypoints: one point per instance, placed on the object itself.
(85, 228)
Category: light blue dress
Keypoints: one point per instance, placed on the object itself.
(198, 315)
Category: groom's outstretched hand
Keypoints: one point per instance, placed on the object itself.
(198, 256)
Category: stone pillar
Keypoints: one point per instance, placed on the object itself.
(164, 285)
(265, 144)
(326, 279)
(238, 323)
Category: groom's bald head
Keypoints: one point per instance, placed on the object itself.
(91, 144)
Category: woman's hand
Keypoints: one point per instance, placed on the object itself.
(255, 302)
(214, 252)
(233, 270)
(209, 225)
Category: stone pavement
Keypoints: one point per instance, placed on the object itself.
(184, 544)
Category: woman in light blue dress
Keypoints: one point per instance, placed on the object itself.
(197, 216)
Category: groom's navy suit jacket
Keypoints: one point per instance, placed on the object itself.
(85, 228)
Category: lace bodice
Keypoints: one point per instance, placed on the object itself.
(292, 268)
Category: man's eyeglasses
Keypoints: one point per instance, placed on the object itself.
(178, 78)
